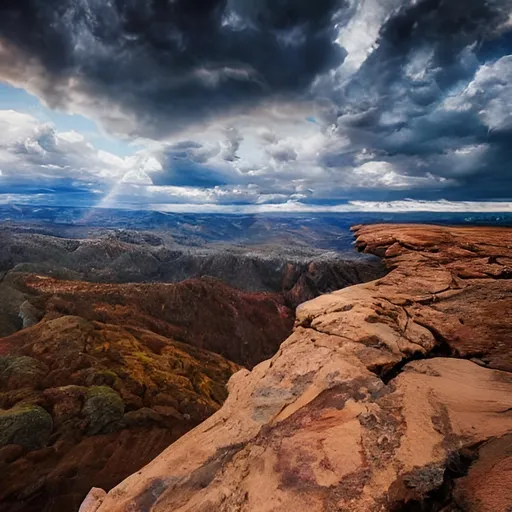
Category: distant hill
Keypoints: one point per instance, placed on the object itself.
(326, 231)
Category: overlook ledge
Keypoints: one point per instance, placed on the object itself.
(388, 395)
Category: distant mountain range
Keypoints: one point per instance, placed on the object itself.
(300, 230)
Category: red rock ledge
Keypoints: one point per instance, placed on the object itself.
(392, 395)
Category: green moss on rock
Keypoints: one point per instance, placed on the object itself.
(105, 377)
(144, 358)
(96, 377)
(103, 410)
(23, 371)
(29, 426)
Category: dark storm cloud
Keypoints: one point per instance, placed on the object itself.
(409, 105)
(433, 39)
(189, 174)
(442, 27)
(170, 62)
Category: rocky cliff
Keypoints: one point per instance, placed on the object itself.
(393, 395)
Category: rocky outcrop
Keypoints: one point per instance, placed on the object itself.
(105, 377)
(455, 282)
(392, 395)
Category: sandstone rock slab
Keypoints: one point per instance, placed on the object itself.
(372, 404)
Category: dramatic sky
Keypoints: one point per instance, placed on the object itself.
(259, 105)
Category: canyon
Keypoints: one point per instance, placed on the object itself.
(104, 362)
(289, 265)
(392, 395)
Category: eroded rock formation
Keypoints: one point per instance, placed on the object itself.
(392, 395)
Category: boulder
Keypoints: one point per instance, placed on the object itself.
(103, 410)
(25, 425)
(93, 500)
(20, 372)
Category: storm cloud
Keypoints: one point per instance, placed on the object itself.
(169, 62)
(269, 101)
(433, 97)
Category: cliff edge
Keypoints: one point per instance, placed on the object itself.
(390, 395)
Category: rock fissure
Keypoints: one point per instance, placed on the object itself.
(442, 479)
(329, 333)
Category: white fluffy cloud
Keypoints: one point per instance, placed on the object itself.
(273, 170)
(37, 152)
(488, 95)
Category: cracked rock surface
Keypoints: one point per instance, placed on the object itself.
(389, 396)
